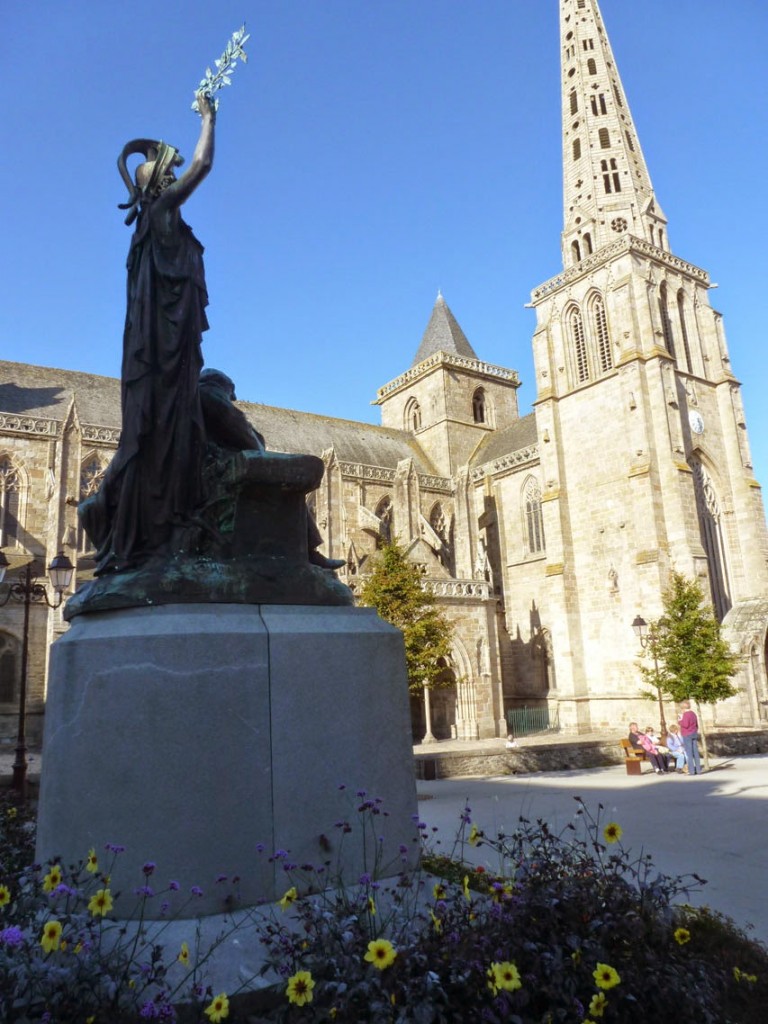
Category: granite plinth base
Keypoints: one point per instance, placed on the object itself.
(190, 734)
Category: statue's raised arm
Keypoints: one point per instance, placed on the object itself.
(177, 191)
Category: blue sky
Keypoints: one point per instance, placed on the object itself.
(371, 152)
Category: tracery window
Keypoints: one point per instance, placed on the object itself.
(534, 522)
(579, 345)
(10, 500)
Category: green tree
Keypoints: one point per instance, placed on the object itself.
(395, 590)
(694, 661)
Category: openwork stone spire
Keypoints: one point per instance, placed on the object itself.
(607, 190)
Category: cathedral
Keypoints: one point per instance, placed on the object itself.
(541, 535)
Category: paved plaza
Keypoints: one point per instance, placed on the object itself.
(715, 824)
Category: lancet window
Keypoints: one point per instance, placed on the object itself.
(600, 327)
(534, 522)
(681, 312)
(712, 538)
(413, 415)
(479, 406)
(666, 323)
(91, 476)
(10, 502)
(579, 346)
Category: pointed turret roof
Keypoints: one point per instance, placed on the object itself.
(443, 334)
(607, 190)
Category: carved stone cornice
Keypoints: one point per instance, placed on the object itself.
(626, 244)
(36, 425)
(104, 435)
(360, 471)
(455, 362)
(477, 589)
(511, 461)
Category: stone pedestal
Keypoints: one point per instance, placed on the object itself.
(191, 733)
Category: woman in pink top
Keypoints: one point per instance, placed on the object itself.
(689, 730)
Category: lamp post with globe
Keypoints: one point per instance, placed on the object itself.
(29, 590)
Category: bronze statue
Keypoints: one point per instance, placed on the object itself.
(193, 508)
(154, 481)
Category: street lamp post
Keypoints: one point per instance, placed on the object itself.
(649, 639)
(29, 590)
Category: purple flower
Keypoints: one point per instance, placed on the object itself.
(63, 890)
(149, 867)
(12, 936)
(365, 879)
(403, 849)
(361, 793)
(196, 890)
(143, 890)
(113, 848)
(221, 878)
(174, 886)
(278, 854)
(259, 847)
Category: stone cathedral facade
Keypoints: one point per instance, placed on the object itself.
(542, 534)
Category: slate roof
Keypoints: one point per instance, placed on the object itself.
(520, 434)
(443, 334)
(46, 392)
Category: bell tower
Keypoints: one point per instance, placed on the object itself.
(646, 463)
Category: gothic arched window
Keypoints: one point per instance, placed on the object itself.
(91, 476)
(600, 325)
(712, 538)
(10, 665)
(384, 515)
(681, 313)
(591, 66)
(579, 346)
(534, 522)
(666, 323)
(412, 415)
(479, 411)
(10, 500)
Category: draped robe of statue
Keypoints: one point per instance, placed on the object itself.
(153, 485)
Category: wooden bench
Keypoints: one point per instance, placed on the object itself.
(633, 757)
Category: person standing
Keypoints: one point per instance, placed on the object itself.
(689, 730)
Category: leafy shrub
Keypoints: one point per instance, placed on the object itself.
(571, 927)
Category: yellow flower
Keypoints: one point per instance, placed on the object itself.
(333, 1012)
(381, 954)
(90, 1020)
(100, 903)
(465, 887)
(682, 935)
(78, 948)
(740, 975)
(605, 977)
(576, 956)
(299, 990)
(506, 976)
(371, 906)
(612, 832)
(219, 1008)
(598, 1004)
(91, 862)
(183, 956)
(290, 897)
(737, 974)
(436, 921)
(53, 879)
(50, 940)
(12, 812)
(5, 895)
(474, 835)
(439, 891)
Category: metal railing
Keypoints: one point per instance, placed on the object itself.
(527, 721)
